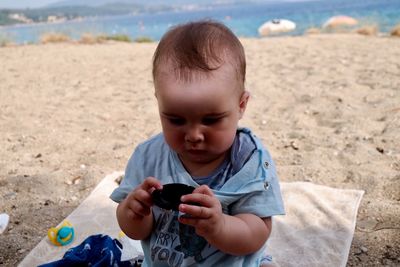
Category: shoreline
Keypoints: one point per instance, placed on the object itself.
(81, 40)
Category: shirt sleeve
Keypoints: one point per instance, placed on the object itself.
(263, 203)
(133, 176)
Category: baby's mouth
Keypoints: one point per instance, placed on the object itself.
(195, 151)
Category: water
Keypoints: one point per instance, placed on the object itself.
(243, 19)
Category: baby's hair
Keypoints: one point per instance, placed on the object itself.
(200, 47)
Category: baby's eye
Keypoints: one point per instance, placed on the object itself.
(176, 121)
(210, 121)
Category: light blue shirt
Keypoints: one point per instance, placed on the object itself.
(252, 189)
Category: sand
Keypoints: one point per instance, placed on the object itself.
(327, 107)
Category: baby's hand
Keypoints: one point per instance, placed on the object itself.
(207, 216)
(138, 203)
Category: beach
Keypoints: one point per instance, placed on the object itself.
(327, 106)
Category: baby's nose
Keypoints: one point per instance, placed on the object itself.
(194, 135)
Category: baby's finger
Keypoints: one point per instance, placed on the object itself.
(199, 199)
(204, 189)
(132, 215)
(139, 208)
(143, 197)
(188, 220)
(151, 182)
(195, 212)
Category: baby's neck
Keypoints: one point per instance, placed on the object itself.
(204, 169)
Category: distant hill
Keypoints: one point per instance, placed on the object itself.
(95, 3)
(69, 12)
(75, 9)
(90, 3)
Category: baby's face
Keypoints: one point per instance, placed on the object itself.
(199, 118)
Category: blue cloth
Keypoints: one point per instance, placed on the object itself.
(241, 150)
(252, 189)
(95, 251)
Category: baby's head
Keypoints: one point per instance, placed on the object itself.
(199, 72)
(194, 50)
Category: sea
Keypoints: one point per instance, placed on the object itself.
(243, 19)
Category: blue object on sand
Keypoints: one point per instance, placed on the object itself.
(95, 251)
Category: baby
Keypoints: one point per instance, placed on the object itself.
(199, 74)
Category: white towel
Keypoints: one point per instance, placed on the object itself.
(317, 230)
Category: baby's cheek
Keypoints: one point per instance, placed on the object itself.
(175, 141)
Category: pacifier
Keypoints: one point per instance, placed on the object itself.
(61, 235)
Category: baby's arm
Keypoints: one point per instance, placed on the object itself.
(237, 235)
(134, 213)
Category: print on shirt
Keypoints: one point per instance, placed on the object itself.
(175, 243)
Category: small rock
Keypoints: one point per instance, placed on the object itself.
(12, 171)
(77, 179)
(294, 145)
(117, 146)
(367, 138)
(389, 152)
(357, 251)
(10, 195)
(364, 249)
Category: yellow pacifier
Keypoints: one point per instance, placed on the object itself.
(61, 235)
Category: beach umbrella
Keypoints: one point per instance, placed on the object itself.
(276, 26)
(339, 21)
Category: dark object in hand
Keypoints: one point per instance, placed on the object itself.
(169, 197)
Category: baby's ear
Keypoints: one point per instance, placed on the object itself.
(244, 98)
